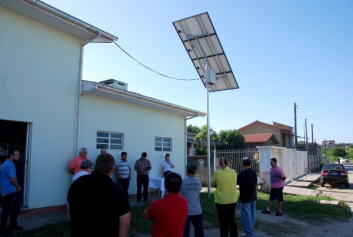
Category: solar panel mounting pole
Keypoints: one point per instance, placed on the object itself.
(208, 137)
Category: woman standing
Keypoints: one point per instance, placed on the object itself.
(225, 180)
(167, 165)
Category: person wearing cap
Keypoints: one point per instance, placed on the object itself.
(74, 165)
(247, 181)
(86, 168)
(142, 167)
(97, 206)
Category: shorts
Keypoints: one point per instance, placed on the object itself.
(276, 193)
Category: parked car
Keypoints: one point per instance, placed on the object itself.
(334, 173)
(343, 160)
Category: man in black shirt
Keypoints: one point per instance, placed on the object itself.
(247, 181)
(97, 206)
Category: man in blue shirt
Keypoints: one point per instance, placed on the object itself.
(10, 193)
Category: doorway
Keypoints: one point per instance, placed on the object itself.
(15, 136)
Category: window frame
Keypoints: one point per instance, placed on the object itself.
(109, 144)
(162, 142)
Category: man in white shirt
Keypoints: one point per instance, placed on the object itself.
(86, 168)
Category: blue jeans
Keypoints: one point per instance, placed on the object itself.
(198, 225)
(124, 183)
(248, 215)
(11, 207)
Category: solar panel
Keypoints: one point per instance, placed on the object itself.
(203, 46)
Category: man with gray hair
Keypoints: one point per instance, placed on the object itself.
(190, 189)
(75, 164)
(86, 168)
(97, 206)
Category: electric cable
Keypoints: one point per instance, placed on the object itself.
(152, 69)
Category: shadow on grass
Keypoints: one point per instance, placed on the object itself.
(307, 208)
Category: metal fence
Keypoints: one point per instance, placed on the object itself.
(235, 158)
(314, 163)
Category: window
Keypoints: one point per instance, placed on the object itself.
(109, 140)
(163, 144)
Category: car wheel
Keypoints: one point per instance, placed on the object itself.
(322, 184)
(346, 184)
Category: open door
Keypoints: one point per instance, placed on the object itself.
(16, 136)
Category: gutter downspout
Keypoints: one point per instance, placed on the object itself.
(80, 90)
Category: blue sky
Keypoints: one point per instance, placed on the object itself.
(281, 52)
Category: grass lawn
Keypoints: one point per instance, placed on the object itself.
(304, 207)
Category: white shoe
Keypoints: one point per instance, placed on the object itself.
(243, 235)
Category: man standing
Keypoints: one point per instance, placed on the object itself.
(168, 214)
(247, 181)
(75, 164)
(97, 206)
(277, 178)
(143, 167)
(123, 172)
(86, 168)
(10, 191)
(190, 189)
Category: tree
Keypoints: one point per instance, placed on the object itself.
(350, 154)
(232, 139)
(201, 138)
(193, 129)
(338, 151)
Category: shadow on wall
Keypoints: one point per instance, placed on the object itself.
(201, 173)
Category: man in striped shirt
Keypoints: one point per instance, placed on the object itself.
(123, 171)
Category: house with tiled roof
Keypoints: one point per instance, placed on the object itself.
(263, 134)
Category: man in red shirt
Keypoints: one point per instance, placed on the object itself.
(169, 214)
(75, 164)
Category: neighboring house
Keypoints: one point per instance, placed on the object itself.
(264, 139)
(48, 113)
(328, 143)
(266, 134)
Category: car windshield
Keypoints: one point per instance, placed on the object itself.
(333, 167)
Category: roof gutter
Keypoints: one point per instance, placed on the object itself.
(67, 17)
(79, 91)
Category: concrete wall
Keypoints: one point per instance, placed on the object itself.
(140, 126)
(39, 70)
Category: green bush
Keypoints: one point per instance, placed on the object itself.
(201, 151)
(338, 151)
(350, 154)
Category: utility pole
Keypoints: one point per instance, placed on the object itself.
(306, 141)
(312, 138)
(295, 125)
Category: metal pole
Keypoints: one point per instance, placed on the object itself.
(295, 125)
(208, 144)
(312, 138)
(306, 141)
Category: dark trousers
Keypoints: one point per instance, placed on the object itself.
(11, 207)
(124, 183)
(166, 173)
(226, 213)
(142, 180)
(198, 226)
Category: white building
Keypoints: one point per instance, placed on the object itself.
(45, 115)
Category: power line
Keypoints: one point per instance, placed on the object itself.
(317, 116)
(152, 69)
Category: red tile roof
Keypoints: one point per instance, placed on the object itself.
(262, 137)
(282, 126)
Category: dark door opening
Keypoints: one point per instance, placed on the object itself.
(13, 136)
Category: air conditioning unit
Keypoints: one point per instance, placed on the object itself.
(115, 84)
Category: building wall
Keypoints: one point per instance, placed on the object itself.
(140, 126)
(39, 70)
(262, 128)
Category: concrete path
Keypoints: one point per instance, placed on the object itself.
(309, 178)
(300, 184)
